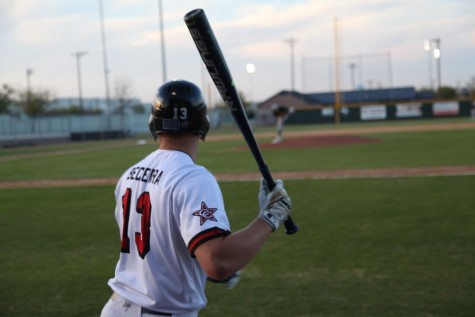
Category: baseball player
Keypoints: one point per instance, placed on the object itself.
(174, 232)
(281, 113)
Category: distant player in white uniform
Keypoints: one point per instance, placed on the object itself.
(173, 227)
(281, 113)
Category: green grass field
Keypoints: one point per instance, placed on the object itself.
(366, 247)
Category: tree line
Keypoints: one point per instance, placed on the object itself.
(36, 102)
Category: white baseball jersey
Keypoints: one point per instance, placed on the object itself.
(166, 207)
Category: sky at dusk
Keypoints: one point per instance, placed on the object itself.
(380, 44)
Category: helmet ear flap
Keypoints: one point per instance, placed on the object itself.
(152, 127)
(205, 127)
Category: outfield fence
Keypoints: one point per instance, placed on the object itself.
(367, 112)
(23, 130)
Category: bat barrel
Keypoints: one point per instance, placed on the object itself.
(193, 13)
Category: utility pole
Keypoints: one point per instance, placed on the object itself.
(162, 41)
(104, 56)
(337, 71)
(78, 55)
(352, 73)
(29, 72)
(291, 41)
(437, 57)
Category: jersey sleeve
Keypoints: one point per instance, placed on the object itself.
(202, 216)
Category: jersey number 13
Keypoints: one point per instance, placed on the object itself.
(144, 208)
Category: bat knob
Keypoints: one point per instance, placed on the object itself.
(290, 226)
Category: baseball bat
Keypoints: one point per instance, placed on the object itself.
(213, 58)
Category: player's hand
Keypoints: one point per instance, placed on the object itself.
(275, 205)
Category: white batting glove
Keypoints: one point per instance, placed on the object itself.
(233, 280)
(275, 205)
(263, 192)
(230, 282)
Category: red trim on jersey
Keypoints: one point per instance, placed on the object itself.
(204, 236)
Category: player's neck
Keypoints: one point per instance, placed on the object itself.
(187, 143)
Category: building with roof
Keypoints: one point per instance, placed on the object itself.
(360, 105)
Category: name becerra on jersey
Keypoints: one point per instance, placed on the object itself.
(145, 174)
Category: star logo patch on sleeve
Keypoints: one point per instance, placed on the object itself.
(205, 213)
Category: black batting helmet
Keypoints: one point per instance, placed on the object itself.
(179, 107)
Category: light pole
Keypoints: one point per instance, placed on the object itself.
(434, 45)
(291, 41)
(29, 72)
(437, 58)
(390, 70)
(352, 70)
(427, 47)
(78, 56)
(251, 69)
